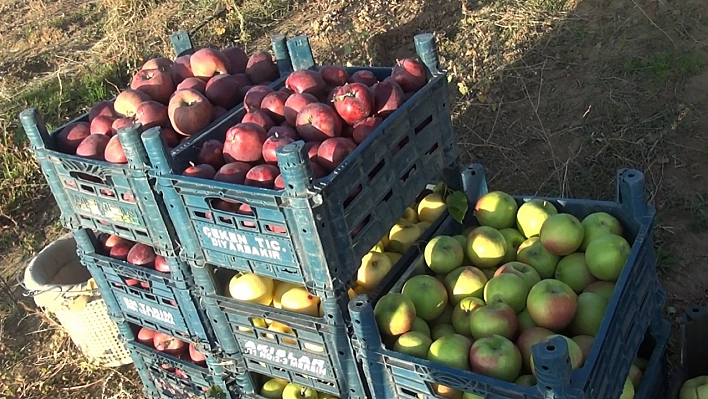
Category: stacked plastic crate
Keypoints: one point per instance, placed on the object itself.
(128, 243)
(311, 234)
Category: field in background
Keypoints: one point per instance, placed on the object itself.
(552, 96)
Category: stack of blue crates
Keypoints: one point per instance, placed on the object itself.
(314, 233)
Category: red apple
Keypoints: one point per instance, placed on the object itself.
(104, 108)
(274, 105)
(161, 264)
(318, 122)
(141, 255)
(242, 80)
(363, 129)
(114, 151)
(261, 68)
(388, 97)
(312, 148)
(244, 142)
(495, 356)
(168, 344)
(217, 111)
(69, 139)
(238, 59)
(120, 123)
(192, 83)
(334, 75)
(260, 118)
(109, 241)
(102, 125)
(364, 77)
(254, 97)
(529, 338)
(182, 68)
(189, 112)
(120, 250)
(306, 81)
(207, 62)
(196, 356)
(211, 153)
(150, 114)
(271, 144)
(170, 136)
(318, 170)
(410, 74)
(223, 90)
(262, 176)
(225, 205)
(146, 336)
(202, 171)
(93, 147)
(279, 183)
(284, 130)
(551, 304)
(295, 103)
(233, 172)
(333, 151)
(353, 102)
(155, 83)
(128, 100)
(161, 63)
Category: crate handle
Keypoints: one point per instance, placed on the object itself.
(553, 369)
(35, 128)
(301, 53)
(181, 43)
(631, 192)
(129, 138)
(296, 168)
(282, 57)
(427, 50)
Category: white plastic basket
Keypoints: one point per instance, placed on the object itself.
(62, 286)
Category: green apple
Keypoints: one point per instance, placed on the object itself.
(603, 288)
(585, 343)
(496, 209)
(485, 247)
(413, 343)
(695, 388)
(441, 330)
(573, 271)
(428, 295)
(373, 269)
(297, 391)
(635, 375)
(597, 224)
(588, 315)
(495, 318)
(424, 226)
(628, 391)
(562, 234)
(469, 395)
(513, 239)
(529, 338)
(393, 256)
(421, 326)
(394, 314)
(533, 253)
(489, 272)
(462, 312)
(525, 321)
(532, 214)
(443, 254)
(495, 356)
(451, 350)
(551, 304)
(527, 380)
(402, 236)
(507, 288)
(574, 352)
(463, 282)
(526, 272)
(606, 256)
(273, 388)
(446, 316)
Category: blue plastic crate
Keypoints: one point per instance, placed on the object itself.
(637, 293)
(654, 377)
(160, 378)
(694, 351)
(107, 197)
(313, 232)
(167, 304)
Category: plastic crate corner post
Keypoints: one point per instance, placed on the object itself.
(279, 44)
(34, 127)
(156, 151)
(553, 369)
(129, 138)
(427, 50)
(693, 349)
(181, 43)
(296, 168)
(301, 53)
(631, 192)
(474, 182)
(84, 245)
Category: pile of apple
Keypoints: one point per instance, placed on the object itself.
(375, 265)
(329, 110)
(524, 275)
(276, 388)
(137, 254)
(172, 346)
(181, 96)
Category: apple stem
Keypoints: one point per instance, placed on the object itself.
(192, 164)
(276, 135)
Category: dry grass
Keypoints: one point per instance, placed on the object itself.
(552, 96)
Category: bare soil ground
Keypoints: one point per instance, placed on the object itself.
(552, 96)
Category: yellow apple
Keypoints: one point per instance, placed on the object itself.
(360, 290)
(384, 240)
(258, 322)
(249, 287)
(379, 247)
(374, 267)
(299, 300)
(280, 288)
(446, 392)
(351, 293)
(411, 215)
(424, 226)
(394, 256)
(402, 236)
(431, 207)
(281, 328)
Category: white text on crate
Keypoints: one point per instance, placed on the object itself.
(149, 311)
(281, 356)
(257, 246)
